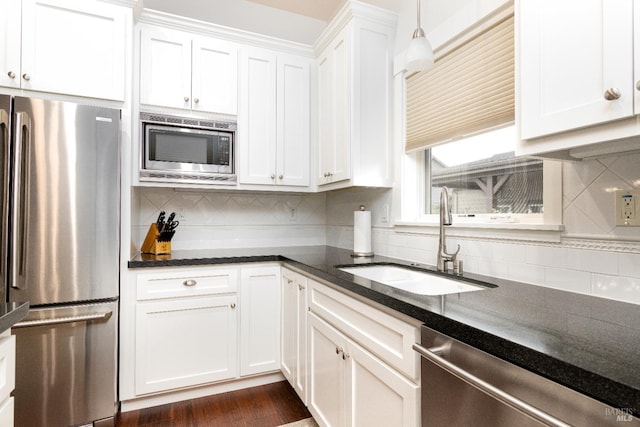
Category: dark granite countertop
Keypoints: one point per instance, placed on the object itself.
(589, 344)
(11, 313)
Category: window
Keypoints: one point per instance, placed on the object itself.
(460, 118)
(484, 178)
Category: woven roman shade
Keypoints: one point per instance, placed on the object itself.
(468, 90)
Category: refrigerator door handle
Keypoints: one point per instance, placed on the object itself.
(6, 167)
(22, 136)
(58, 320)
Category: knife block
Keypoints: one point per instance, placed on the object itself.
(151, 245)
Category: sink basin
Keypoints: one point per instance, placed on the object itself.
(410, 280)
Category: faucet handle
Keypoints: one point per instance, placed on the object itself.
(455, 254)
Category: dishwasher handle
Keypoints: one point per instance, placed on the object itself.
(433, 355)
(59, 320)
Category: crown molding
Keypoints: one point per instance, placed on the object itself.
(167, 20)
(354, 9)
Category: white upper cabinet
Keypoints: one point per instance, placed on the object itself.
(355, 99)
(185, 71)
(334, 112)
(69, 47)
(10, 44)
(576, 72)
(273, 121)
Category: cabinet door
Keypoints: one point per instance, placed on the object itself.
(10, 21)
(376, 394)
(257, 117)
(294, 331)
(259, 320)
(334, 111)
(7, 412)
(185, 342)
(289, 326)
(215, 76)
(565, 69)
(293, 137)
(165, 67)
(74, 47)
(301, 375)
(326, 373)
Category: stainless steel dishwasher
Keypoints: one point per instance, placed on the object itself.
(464, 386)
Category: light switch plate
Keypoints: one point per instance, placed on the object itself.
(627, 208)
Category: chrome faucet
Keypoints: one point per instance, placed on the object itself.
(445, 219)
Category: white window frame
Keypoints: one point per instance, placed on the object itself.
(408, 192)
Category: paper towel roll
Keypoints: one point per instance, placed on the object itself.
(362, 233)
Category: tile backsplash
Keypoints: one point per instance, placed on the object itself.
(226, 219)
(593, 257)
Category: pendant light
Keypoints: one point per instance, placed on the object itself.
(419, 55)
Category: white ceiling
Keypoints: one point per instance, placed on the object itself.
(323, 10)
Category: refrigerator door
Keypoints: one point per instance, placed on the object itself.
(5, 167)
(65, 206)
(66, 365)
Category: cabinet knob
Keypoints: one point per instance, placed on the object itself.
(11, 75)
(196, 100)
(186, 99)
(638, 85)
(289, 281)
(232, 305)
(612, 94)
(339, 350)
(273, 176)
(300, 287)
(280, 176)
(26, 76)
(189, 282)
(345, 356)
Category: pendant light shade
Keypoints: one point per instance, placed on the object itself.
(419, 56)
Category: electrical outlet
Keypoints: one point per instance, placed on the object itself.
(627, 208)
(293, 214)
(385, 214)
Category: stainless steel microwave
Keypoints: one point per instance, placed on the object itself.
(180, 149)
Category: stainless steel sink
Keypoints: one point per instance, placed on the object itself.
(407, 279)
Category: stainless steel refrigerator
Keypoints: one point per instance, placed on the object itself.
(60, 249)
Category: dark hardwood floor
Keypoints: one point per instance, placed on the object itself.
(264, 406)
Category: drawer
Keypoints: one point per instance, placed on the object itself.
(388, 337)
(186, 282)
(7, 365)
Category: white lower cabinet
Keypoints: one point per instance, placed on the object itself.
(362, 370)
(7, 377)
(201, 325)
(259, 320)
(351, 363)
(185, 342)
(352, 387)
(294, 331)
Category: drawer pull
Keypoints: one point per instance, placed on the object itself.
(190, 282)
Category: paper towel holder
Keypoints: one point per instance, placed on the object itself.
(361, 254)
